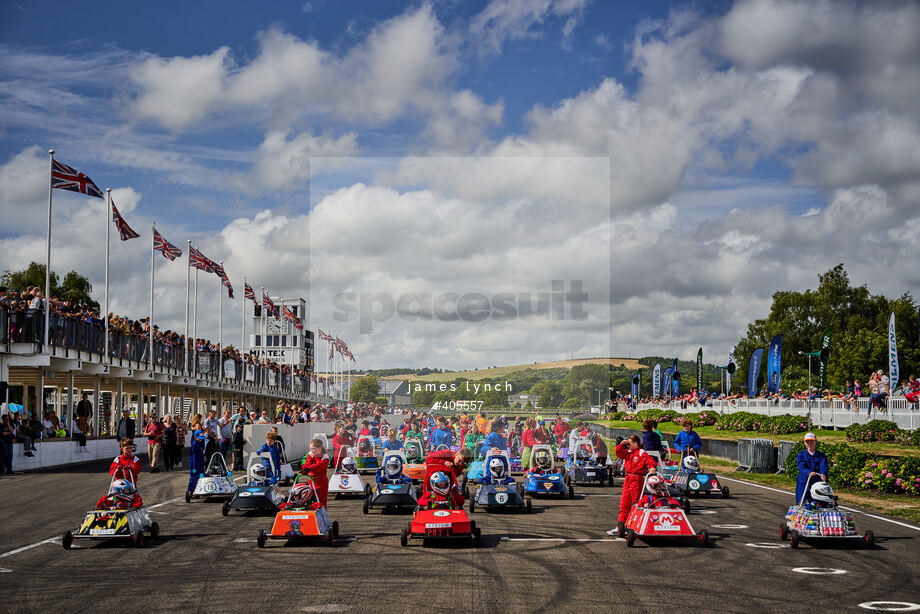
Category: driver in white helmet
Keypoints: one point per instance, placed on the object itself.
(822, 494)
(122, 496)
(392, 472)
(497, 471)
(691, 464)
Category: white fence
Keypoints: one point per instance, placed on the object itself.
(826, 414)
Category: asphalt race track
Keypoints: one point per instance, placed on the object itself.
(557, 559)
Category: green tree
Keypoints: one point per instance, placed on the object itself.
(365, 389)
(549, 392)
(76, 288)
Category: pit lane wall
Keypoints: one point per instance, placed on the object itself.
(54, 453)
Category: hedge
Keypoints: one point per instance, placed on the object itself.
(883, 430)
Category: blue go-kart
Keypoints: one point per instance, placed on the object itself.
(582, 466)
(542, 478)
(497, 490)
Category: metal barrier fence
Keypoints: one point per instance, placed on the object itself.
(834, 414)
(755, 455)
(783, 450)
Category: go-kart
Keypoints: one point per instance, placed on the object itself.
(215, 482)
(515, 449)
(415, 459)
(821, 520)
(582, 466)
(346, 479)
(260, 492)
(658, 515)
(435, 520)
(305, 522)
(498, 490)
(366, 459)
(689, 480)
(540, 481)
(393, 491)
(126, 524)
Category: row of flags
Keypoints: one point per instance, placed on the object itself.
(335, 345)
(65, 177)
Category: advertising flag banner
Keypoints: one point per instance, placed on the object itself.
(666, 381)
(656, 380)
(230, 369)
(699, 372)
(825, 352)
(728, 375)
(893, 373)
(754, 372)
(250, 372)
(774, 366)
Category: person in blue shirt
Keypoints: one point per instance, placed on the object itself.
(275, 453)
(196, 454)
(812, 466)
(392, 443)
(495, 439)
(441, 436)
(688, 440)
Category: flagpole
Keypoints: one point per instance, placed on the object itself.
(188, 282)
(195, 320)
(108, 207)
(293, 346)
(220, 323)
(243, 313)
(264, 325)
(153, 227)
(48, 254)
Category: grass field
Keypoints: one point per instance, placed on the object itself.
(499, 372)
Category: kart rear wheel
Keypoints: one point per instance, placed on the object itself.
(188, 496)
(335, 529)
(794, 539)
(477, 537)
(367, 490)
(330, 538)
(260, 541)
(725, 494)
(155, 531)
(704, 538)
(685, 504)
(225, 508)
(138, 539)
(610, 481)
(366, 505)
(571, 493)
(404, 538)
(630, 538)
(783, 532)
(529, 506)
(67, 540)
(869, 540)
(463, 488)
(472, 505)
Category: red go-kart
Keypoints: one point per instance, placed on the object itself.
(440, 514)
(658, 515)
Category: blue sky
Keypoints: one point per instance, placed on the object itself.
(749, 146)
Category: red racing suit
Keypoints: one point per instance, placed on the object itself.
(129, 463)
(636, 463)
(437, 461)
(111, 502)
(316, 469)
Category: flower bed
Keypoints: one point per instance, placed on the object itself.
(882, 430)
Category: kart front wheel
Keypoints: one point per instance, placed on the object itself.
(571, 493)
(225, 508)
(869, 540)
(685, 504)
(464, 490)
(725, 492)
(188, 496)
(404, 538)
(610, 481)
(367, 490)
(477, 536)
(155, 531)
(366, 506)
(335, 529)
(794, 539)
(472, 505)
(260, 541)
(330, 537)
(67, 540)
(704, 538)
(783, 532)
(529, 506)
(630, 538)
(138, 539)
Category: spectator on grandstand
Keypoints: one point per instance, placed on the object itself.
(912, 390)
(849, 397)
(125, 427)
(83, 411)
(879, 386)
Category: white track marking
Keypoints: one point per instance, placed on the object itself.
(176, 500)
(5, 570)
(890, 606)
(729, 526)
(50, 540)
(766, 545)
(849, 509)
(820, 571)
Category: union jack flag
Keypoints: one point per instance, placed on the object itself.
(249, 293)
(124, 230)
(67, 178)
(199, 261)
(323, 335)
(219, 270)
(290, 317)
(268, 304)
(169, 251)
